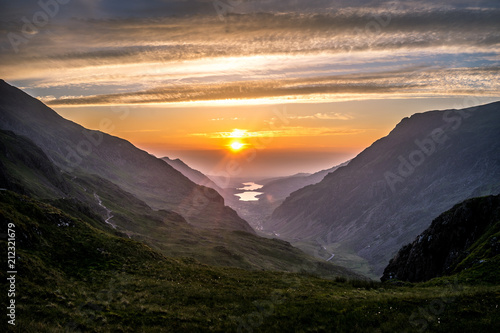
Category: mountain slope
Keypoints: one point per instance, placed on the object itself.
(275, 190)
(281, 188)
(106, 206)
(381, 201)
(73, 148)
(467, 237)
(72, 277)
(194, 175)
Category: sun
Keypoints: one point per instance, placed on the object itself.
(236, 146)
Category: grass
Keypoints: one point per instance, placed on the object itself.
(343, 256)
(78, 278)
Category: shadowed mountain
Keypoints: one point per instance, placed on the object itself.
(467, 237)
(194, 175)
(280, 189)
(274, 191)
(388, 194)
(73, 148)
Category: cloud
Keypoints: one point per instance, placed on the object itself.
(291, 51)
(285, 131)
(406, 81)
(325, 116)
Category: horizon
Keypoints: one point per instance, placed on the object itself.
(277, 87)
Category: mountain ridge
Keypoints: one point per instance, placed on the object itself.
(72, 147)
(356, 207)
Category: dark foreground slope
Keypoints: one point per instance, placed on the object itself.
(391, 191)
(467, 237)
(73, 148)
(73, 277)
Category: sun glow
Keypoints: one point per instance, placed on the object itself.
(236, 146)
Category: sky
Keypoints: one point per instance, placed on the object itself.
(299, 85)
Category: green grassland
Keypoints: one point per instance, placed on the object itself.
(76, 277)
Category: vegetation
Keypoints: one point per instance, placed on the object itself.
(73, 277)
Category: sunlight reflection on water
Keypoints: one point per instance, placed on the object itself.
(249, 194)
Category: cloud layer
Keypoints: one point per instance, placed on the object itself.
(122, 53)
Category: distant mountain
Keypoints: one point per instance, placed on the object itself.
(467, 237)
(194, 175)
(73, 148)
(279, 189)
(390, 192)
(275, 190)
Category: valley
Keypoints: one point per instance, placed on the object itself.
(276, 166)
(118, 240)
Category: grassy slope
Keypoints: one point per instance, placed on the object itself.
(74, 277)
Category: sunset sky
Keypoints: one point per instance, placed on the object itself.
(301, 85)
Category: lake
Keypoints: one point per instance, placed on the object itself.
(250, 194)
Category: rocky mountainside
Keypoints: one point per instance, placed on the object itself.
(467, 237)
(390, 192)
(73, 148)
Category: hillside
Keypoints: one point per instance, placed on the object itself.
(280, 189)
(381, 201)
(275, 190)
(194, 175)
(73, 148)
(27, 169)
(73, 277)
(467, 237)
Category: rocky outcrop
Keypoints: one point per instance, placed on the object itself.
(441, 248)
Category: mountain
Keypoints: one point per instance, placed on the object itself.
(390, 192)
(194, 175)
(105, 205)
(467, 237)
(280, 189)
(73, 148)
(275, 190)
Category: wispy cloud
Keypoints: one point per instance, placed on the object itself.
(324, 116)
(425, 82)
(295, 51)
(286, 131)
